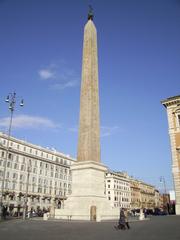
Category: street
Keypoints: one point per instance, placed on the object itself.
(160, 227)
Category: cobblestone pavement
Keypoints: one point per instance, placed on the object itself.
(160, 227)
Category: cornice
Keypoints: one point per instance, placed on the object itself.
(171, 101)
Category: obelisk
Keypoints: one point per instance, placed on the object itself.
(89, 133)
(88, 200)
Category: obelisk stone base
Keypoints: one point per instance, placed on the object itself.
(88, 200)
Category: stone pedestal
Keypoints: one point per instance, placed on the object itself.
(88, 200)
(177, 209)
(141, 216)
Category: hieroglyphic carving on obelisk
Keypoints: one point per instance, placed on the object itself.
(89, 132)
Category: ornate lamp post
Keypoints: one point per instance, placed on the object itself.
(11, 100)
(162, 180)
(165, 200)
(26, 195)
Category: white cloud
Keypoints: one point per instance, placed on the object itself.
(61, 77)
(46, 74)
(108, 131)
(30, 122)
(61, 86)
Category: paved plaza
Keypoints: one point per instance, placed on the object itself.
(161, 227)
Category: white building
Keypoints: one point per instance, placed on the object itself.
(118, 189)
(41, 173)
(172, 105)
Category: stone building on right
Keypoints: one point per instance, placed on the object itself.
(172, 105)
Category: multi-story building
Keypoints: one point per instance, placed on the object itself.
(147, 195)
(118, 190)
(172, 106)
(43, 176)
(157, 199)
(135, 193)
(40, 174)
(127, 192)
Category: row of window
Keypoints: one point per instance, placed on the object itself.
(33, 168)
(32, 179)
(37, 189)
(119, 187)
(119, 182)
(36, 152)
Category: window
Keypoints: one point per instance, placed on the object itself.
(179, 120)
(2, 154)
(14, 175)
(15, 166)
(8, 164)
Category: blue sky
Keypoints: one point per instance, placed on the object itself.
(139, 65)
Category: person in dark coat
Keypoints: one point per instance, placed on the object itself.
(4, 212)
(122, 222)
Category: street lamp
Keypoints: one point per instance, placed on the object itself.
(26, 194)
(165, 201)
(11, 100)
(162, 180)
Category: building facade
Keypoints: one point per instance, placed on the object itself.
(135, 193)
(127, 192)
(158, 199)
(40, 175)
(147, 193)
(118, 189)
(172, 106)
(43, 177)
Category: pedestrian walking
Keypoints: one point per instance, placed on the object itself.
(121, 223)
(126, 219)
(4, 212)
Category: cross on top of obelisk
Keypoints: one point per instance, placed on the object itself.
(90, 13)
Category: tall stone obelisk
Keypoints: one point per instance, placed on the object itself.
(88, 200)
(89, 133)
